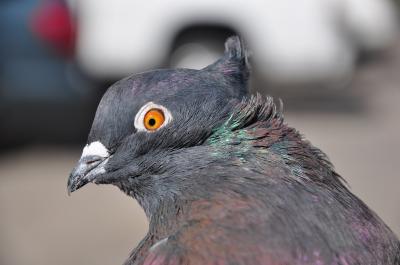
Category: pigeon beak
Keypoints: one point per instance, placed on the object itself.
(91, 164)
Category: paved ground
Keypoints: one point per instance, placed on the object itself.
(40, 224)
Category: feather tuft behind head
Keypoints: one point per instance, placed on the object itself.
(234, 65)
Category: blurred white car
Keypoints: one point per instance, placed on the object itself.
(292, 41)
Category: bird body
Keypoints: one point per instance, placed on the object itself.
(222, 178)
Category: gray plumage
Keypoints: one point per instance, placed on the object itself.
(226, 181)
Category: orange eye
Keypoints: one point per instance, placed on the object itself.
(153, 119)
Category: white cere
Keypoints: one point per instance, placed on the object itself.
(95, 149)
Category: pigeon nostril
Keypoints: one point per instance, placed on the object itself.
(93, 160)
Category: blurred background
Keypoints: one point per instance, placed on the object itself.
(335, 64)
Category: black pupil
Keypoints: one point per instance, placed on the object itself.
(152, 122)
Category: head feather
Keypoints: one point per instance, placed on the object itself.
(234, 65)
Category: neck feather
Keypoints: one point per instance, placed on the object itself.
(254, 138)
(257, 124)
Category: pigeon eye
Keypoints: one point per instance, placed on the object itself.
(152, 117)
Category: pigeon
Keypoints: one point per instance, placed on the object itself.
(222, 178)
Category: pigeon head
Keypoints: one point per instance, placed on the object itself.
(144, 118)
